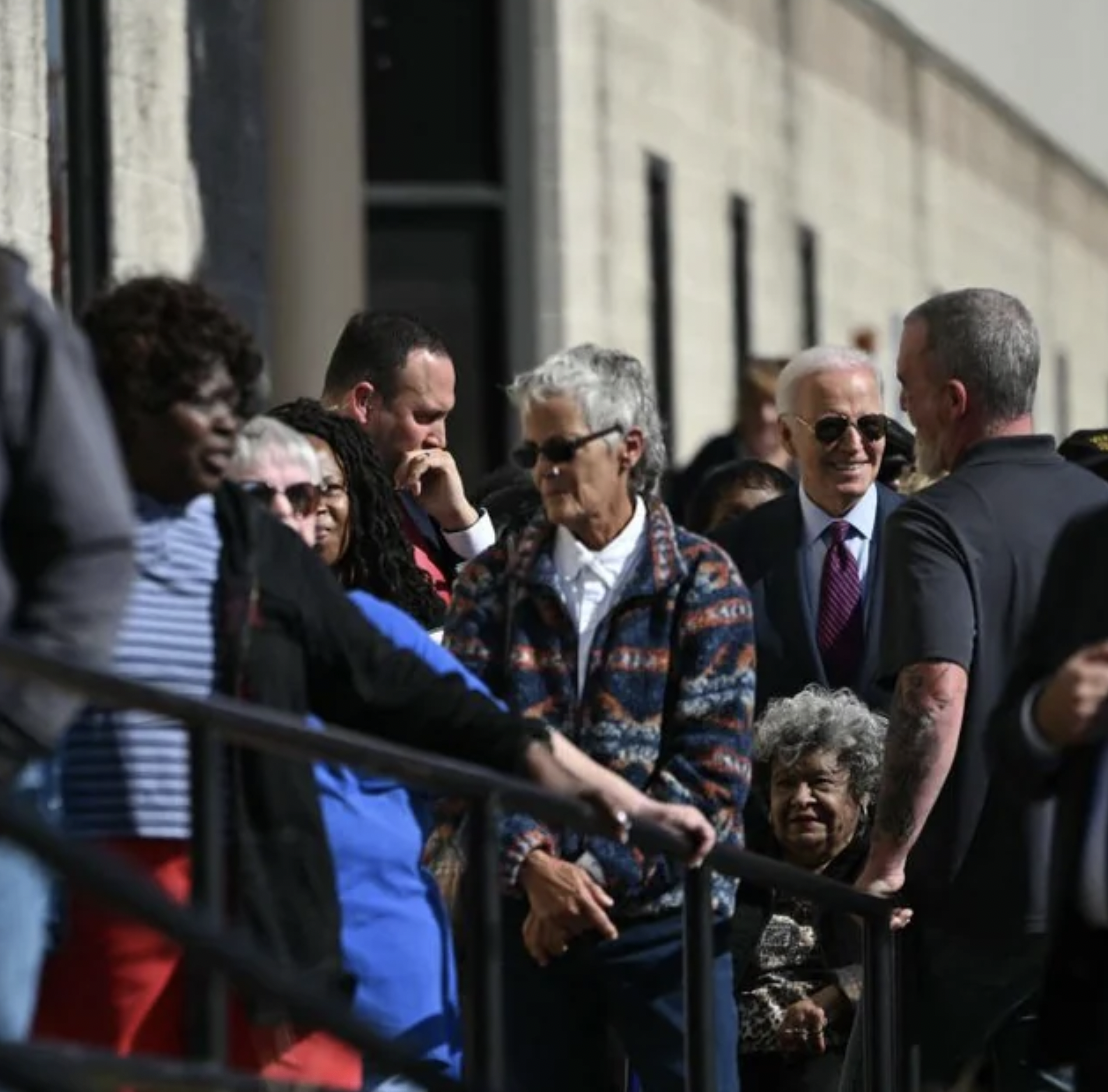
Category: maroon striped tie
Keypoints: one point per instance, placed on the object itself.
(840, 631)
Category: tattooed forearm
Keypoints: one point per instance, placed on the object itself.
(923, 733)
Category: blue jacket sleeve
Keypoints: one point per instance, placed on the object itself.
(405, 632)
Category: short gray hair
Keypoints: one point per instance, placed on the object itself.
(264, 438)
(829, 721)
(821, 358)
(612, 388)
(987, 340)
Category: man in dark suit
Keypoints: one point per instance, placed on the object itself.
(813, 558)
(1051, 734)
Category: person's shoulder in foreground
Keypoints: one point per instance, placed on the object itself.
(65, 554)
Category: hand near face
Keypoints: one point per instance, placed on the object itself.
(431, 477)
(1069, 704)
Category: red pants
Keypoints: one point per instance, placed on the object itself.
(117, 984)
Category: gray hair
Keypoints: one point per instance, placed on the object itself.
(612, 388)
(814, 361)
(987, 340)
(264, 438)
(830, 721)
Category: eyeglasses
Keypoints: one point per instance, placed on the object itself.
(558, 449)
(829, 430)
(303, 497)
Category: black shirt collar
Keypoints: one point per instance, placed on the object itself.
(1009, 449)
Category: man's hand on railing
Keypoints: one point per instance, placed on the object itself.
(885, 884)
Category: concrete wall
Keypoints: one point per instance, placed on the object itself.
(815, 112)
(188, 157)
(24, 129)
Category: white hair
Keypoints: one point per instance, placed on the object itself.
(835, 722)
(612, 388)
(265, 438)
(820, 358)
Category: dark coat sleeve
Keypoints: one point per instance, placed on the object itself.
(358, 679)
(1063, 624)
(67, 516)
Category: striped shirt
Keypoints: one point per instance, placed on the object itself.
(126, 774)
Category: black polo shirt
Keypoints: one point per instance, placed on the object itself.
(964, 563)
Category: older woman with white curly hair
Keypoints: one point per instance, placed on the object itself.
(797, 967)
(634, 636)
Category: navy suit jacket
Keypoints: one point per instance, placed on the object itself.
(767, 545)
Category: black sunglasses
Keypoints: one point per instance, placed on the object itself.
(558, 449)
(303, 497)
(829, 430)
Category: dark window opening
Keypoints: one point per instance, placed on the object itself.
(809, 287)
(85, 149)
(446, 267)
(740, 281)
(661, 287)
(432, 87)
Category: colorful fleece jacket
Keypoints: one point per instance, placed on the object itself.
(667, 702)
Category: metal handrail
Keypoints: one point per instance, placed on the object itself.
(221, 720)
(240, 723)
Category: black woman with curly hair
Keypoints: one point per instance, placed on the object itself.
(226, 600)
(358, 532)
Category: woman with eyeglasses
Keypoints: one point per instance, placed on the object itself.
(395, 928)
(278, 468)
(636, 638)
(358, 531)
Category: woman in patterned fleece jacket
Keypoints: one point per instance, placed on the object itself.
(635, 638)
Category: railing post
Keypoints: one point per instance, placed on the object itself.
(485, 1047)
(206, 989)
(700, 998)
(879, 1046)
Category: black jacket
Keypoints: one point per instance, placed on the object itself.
(290, 640)
(1072, 613)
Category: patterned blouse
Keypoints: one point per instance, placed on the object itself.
(789, 965)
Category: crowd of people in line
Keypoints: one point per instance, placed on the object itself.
(872, 655)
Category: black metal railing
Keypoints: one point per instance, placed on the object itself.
(217, 956)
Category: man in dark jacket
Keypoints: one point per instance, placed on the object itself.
(1050, 734)
(65, 569)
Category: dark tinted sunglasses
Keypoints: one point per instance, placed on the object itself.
(558, 449)
(831, 429)
(303, 497)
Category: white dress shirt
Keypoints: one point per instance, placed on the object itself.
(862, 519)
(589, 581)
(1092, 895)
(473, 540)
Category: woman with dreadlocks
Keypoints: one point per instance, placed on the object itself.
(358, 532)
(396, 929)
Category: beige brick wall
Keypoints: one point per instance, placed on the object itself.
(910, 178)
(24, 123)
